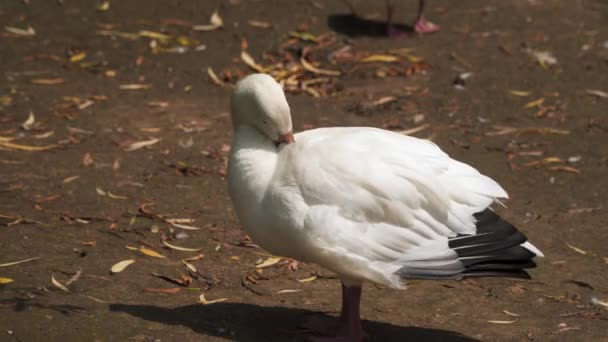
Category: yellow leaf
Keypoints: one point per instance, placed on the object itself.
(131, 248)
(153, 35)
(121, 265)
(250, 62)
(58, 284)
(306, 280)
(104, 6)
(316, 70)
(380, 58)
(535, 103)
(47, 81)
(305, 36)
(10, 145)
(5, 280)
(520, 92)
(135, 86)
(268, 262)
(151, 253)
(78, 57)
(414, 59)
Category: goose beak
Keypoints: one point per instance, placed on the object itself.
(286, 138)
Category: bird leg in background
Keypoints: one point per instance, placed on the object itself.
(348, 326)
(420, 26)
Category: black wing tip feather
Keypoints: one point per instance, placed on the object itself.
(495, 250)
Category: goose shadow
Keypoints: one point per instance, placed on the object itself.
(252, 323)
(355, 26)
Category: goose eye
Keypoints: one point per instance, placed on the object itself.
(265, 122)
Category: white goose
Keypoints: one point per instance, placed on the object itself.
(365, 203)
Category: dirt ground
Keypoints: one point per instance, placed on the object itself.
(132, 134)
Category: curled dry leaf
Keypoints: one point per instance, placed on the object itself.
(510, 313)
(268, 262)
(4, 280)
(121, 265)
(141, 144)
(183, 249)
(100, 191)
(535, 103)
(29, 123)
(58, 284)
(214, 78)
(189, 266)
(111, 195)
(313, 69)
(204, 301)
(174, 223)
(215, 22)
(18, 262)
(251, 62)
(151, 253)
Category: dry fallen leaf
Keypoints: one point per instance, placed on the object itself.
(289, 291)
(535, 103)
(520, 93)
(172, 290)
(183, 249)
(174, 223)
(204, 301)
(510, 313)
(78, 57)
(28, 32)
(260, 24)
(141, 144)
(598, 93)
(29, 123)
(58, 284)
(380, 58)
(215, 22)
(18, 262)
(47, 81)
(213, 77)
(306, 280)
(502, 322)
(151, 253)
(268, 262)
(250, 62)
(103, 6)
(121, 265)
(4, 280)
(316, 70)
(13, 146)
(576, 249)
(135, 86)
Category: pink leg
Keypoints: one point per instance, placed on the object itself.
(348, 326)
(421, 25)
